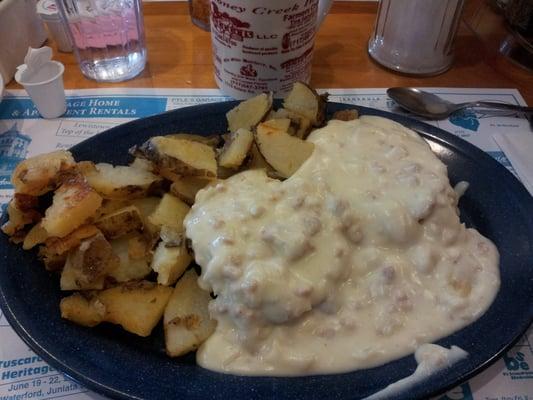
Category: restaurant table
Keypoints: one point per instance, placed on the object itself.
(179, 56)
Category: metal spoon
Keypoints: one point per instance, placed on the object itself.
(432, 106)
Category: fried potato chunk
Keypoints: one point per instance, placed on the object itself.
(170, 261)
(87, 267)
(300, 126)
(73, 203)
(211, 140)
(136, 306)
(249, 112)
(186, 188)
(18, 218)
(236, 148)
(170, 212)
(120, 222)
(187, 323)
(179, 156)
(38, 175)
(119, 182)
(304, 100)
(133, 253)
(83, 309)
(59, 246)
(283, 152)
(36, 235)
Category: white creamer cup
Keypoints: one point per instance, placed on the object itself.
(45, 87)
(264, 45)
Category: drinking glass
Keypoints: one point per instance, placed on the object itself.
(415, 36)
(200, 11)
(108, 37)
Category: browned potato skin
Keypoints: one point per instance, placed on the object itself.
(87, 267)
(73, 203)
(346, 115)
(38, 175)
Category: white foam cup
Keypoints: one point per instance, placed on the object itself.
(45, 87)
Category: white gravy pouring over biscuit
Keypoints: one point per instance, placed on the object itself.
(355, 260)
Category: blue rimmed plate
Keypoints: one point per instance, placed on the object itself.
(120, 365)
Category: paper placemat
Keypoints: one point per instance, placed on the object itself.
(23, 375)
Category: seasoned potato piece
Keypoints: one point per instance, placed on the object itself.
(143, 164)
(170, 212)
(132, 251)
(25, 202)
(346, 115)
(51, 261)
(282, 124)
(249, 112)
(120, 182)
(236, 148)
(186, 188)
(73, 203)
(170, 261)
(186, 321)
(109, 206)
(88, 265)
(35, 236)
(211, 140)
(83, 309)
(147, 206)
(56, 245)
(38, 175)
(120, 222)
(285, 153)
(18, 219)
(137, 306)
(300, 126)
(179, 156)
(257, 161)
(304, 100)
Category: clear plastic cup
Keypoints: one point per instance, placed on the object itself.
(108, 37)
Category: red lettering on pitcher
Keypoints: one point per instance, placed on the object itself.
(230, 26)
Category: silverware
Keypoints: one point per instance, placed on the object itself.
(431, 106)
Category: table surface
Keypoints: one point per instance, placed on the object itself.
(179, 56)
